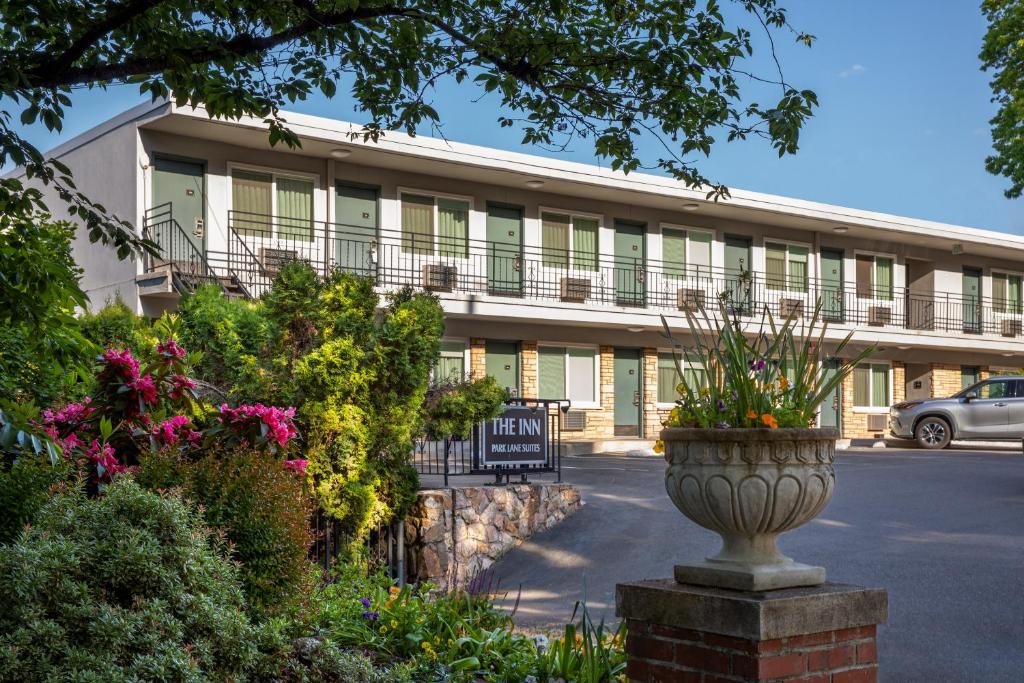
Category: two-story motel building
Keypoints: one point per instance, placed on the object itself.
(553, 275)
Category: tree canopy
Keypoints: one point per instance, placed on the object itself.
(1002, 53)
(612, 72)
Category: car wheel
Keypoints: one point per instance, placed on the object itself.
(933, 432)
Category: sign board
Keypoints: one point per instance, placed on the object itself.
(516, 438)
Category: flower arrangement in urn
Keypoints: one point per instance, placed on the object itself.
(744, 457)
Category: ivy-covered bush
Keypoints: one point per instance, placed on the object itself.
(261, 506)
(124, 587)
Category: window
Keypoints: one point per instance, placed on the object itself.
(874, 277)
(270, 205)
(786, 267)
(435, 225)
(871, 386)
(1002, 388)
(1006, 292)
(567, 372)
(969, 375)
(694, 376)
(451, 366)
(564, 236)
(686, 252)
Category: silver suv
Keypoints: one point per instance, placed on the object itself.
(992, 409)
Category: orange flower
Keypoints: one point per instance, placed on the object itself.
(770, 421)
(752, 414)
(783, 383)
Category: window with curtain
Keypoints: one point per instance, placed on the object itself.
(698, 253)
(1006, 293)
(694, 376)
(453, 227)
(294, 208)
(252, 202)
(673, 251)
(451, 366)
(875, 277)
(417, 224)
(568, 240)
(871, 385)
(567, 372)
(786, 267)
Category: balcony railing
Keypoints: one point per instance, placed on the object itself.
(259, 245)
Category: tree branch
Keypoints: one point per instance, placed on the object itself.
(116, 17)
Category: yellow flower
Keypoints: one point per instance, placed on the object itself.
(770, 421)
(674, 415)
(437, 640)
(425, 644)
(383, 629)
(659, 446)
(394, 590)
(451, 643)
(394, 623)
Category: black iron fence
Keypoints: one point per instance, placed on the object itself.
(258, 245)
(384, 548)
(459, 457)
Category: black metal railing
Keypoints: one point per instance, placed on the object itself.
(178, 251)
(258, 245)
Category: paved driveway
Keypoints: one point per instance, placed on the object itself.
(944, 533)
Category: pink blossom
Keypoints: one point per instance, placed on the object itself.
(120, 363)
(170, 349)
(145, 387)
(103, 456)
(298, 466)
(181, 384)
(71, 441)
(278, 422)
(170, 431)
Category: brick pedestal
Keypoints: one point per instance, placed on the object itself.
(693, 634)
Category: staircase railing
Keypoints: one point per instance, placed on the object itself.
(177, 251)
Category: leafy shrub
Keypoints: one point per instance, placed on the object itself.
(116, 326)
(260, 506)
(322, 661)
(25, 487)
(451, 409)
(125, 587)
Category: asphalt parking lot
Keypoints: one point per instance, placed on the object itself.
(942, 531)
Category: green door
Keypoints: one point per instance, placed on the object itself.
(180, 185)
(972, 300)
(504, 250)
(630, 269)
(628, 392)
(832, 285)
(738, 273)
(831, 408)
(355, 228)
(502, 363)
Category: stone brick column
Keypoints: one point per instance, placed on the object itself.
(477, 359)
(824, 634)
(528, 387)
(946, 379)
(652, 420)
(899, 381)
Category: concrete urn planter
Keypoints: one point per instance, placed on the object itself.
(749, 486)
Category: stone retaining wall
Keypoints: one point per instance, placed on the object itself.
(453, 534)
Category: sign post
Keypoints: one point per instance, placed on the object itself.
(515, 440)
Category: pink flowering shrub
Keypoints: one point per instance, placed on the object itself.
(150, 406)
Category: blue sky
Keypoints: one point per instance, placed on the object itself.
(902, 127)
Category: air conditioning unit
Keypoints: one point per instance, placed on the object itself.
(575, 289)
(439, 278)
(273, 259)
(691, 300)
(879, 315)
(574, 421)
(791, 307)
(1011, 328)
(876, 423)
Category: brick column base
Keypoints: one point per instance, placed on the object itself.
(691, 634)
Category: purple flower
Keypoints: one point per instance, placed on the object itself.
(757, 365)
(372, 616)
(366, 602)
(721, 404)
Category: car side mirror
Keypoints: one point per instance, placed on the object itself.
(971, 395)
